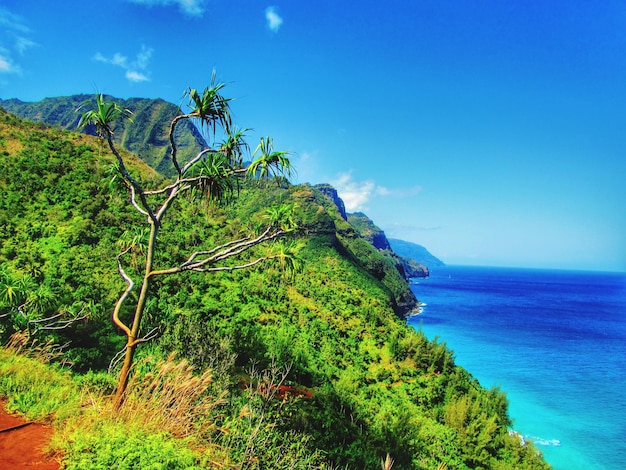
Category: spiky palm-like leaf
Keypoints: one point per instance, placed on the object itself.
(234, 146)
(103, 115)
(282, 216)
(213, 177)
(270, 162)
(210, 107)
(387, 463)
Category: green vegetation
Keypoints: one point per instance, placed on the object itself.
(212, 174)
(144, 136)
(315, 370)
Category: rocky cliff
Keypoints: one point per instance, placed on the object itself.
(332, 194)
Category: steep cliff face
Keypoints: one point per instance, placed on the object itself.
(368, 230)
(332, 194)
(146, 136)
(360, 245)
(414, 269)
(407, 266)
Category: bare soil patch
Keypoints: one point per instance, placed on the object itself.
(22, 444)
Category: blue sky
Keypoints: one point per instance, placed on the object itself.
(493, 133)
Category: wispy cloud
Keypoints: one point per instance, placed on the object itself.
(356, 194)
(398, 192)
(397, 227)
(7, 65)
(22, 44)
(136, 70)
(14, 37)
(188, 7)
(12, 22)
(274, 20)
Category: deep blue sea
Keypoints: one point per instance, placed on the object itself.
(554, 341)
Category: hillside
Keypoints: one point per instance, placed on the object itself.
(368, 230)
(416, 252)
(145, 136)
(367, 383)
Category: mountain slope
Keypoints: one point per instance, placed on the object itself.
(415, 252)
(145, 136)
(374, 385)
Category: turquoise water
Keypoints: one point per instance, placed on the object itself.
(554, 341)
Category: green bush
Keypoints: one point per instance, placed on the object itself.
(36, 390)
(109, 446)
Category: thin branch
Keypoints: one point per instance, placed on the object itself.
(234, 268)
(175, 185)
(195, 159)
(213, 250)
(41, 320)
(173, 143)
(178, 185)
(134, 202)
(153, 333)
(120, 301)
(241, 247)
(118, 356)
(127, 176)
(116, 359)
(59, 325)
(229, 251)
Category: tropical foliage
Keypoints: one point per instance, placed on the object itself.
(213, 174)
(310, 370)
(144, 136)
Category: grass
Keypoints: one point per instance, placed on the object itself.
(168, 421)
(164, 424)
(33, 388)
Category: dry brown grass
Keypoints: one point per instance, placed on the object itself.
(171, 398)
(22, 344)
(387, 463)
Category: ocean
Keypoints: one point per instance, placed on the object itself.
(554, 341)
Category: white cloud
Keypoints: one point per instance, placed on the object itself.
(356, 194)
(188, 7)
(13, 30)
(274, 20)
(398, 192)
(134, 76)
(136, 70)
(7, 65)
(11, 21)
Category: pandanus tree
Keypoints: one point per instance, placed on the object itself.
(214, 174)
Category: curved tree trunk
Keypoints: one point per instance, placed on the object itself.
(132, 338)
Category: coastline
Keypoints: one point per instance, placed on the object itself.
(505, 325)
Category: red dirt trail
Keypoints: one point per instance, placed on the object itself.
(22, 448)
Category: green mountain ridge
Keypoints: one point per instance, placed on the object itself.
(416, 252)
(375, 385)
(145, 136)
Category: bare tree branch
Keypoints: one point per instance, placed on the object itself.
(116, 359)
(139, 209)
(234, 268)
(228, 250)
(131, 181)
(58, 325)
(120, 301)
(153, 333)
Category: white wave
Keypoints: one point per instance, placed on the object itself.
(544, 442)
